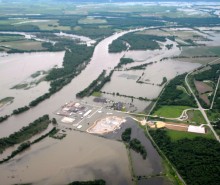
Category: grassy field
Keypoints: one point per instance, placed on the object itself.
(196, 116)
(176, 135)
(24, 45)
(170, 111)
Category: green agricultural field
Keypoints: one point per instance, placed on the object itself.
(201, 51)
(183, 35)
(24, 45)
(9, 38)
(196, 116)
(9, 21)
(170, 111)
(156, 32)
(49, 25)
(177, 135)
(91, 20)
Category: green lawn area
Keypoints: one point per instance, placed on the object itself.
(196, 116)
(170, 111)
(176, 135)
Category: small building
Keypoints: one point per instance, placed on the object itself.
(68, 120)
(196, 129)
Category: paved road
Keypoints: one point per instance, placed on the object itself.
(200, 107)
(215, 92)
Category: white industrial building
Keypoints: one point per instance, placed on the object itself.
(196, 129)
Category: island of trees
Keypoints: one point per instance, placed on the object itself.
(134, 143)
(135, 41)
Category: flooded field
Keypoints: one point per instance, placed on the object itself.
(123, 81)
(153, 163)
(81, 156)
(18, 69)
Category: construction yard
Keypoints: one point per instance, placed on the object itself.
(106, 125)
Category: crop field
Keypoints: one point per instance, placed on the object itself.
(170, 111)
(9, 38)
(196, 116)
(9, 21)
(203, 89)
(91, 20)
(185, 34)
(157, 32)
(23, 45)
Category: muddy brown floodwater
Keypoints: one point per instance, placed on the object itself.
(79, 156)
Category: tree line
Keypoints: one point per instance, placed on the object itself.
(197, 160)
(25, 133)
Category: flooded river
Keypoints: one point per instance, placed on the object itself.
(100, 61)
(79, 156)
